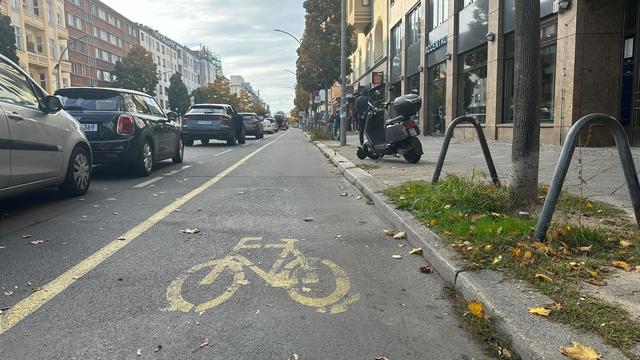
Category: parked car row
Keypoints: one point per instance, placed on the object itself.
(48, 141)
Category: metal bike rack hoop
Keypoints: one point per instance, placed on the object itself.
(626, 158)
(481, 139)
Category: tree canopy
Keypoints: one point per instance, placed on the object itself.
(245, 102)
(319, 54)
(179, 99)
(217, 92)
(137, 71)
(8, 46)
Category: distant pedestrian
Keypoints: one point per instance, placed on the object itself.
(362, 108)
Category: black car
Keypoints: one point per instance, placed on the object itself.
(213, 121)
(125, 127)
(252, 125)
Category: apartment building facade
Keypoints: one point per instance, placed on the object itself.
(165, 56)
(459, 54)
(41, 36)
(100, 37)
(238, 84)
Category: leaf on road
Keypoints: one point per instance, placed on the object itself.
(26, 236)
(36, 242)
(309, 219)
(539, 310)
(204, 343)
(621, 265)
(139, 352)
(389, 232)
(476, 308)
(425, 269)
(543, 277)
(243, 282)
(344, 194)
(158, 348)
(400, 236)
(8, 293)
(189, 231)
(597, 282)
(580, 352)
(294, 357)
(382, 358)
(397, 256)
(416, 251)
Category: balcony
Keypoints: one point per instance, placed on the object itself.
(360, 14)
(33, 20)
(65, 66)
(62, 32)
(38, 60)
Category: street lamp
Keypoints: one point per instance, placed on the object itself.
(57, 67)
(343, 73)
(288, 33)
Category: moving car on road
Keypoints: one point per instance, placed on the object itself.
(252, 125)
(40, 145)
(269, 125)
(125, 127)
(213, 121)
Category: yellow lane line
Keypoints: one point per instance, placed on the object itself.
(32, 303)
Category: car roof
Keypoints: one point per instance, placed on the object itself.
(92, 88)
(247, 113)
(210, 105)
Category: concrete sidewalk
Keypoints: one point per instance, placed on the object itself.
(601, 166)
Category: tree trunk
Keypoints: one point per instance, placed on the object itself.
(326, 102)
(525, 152)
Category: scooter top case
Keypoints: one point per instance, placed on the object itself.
(395, 133)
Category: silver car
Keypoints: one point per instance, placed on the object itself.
(40, 144)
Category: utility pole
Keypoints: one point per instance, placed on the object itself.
(343, 74)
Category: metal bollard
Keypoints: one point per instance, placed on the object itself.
(483, 144)
(624, 151)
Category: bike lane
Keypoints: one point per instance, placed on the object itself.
(257, 282)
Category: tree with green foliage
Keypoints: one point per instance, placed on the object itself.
(137, 71)
(217, 92)
(302, 98)
(318, 64)
(179, 99)
(259, 108)
(245, 102)
(8, 46)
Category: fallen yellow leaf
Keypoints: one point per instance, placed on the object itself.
(506, 353)
(389, 232)
(434, 222)
(542, 247)
(543, 277)
(416, 251)
(589, 205)
(625, 244)
(586, 249)
(476, 308)
(580, 352)
(597, 282)
(499, 231)
(621, 265)
(496, 260)
(539, 310)
(400, 236)
(592, 273)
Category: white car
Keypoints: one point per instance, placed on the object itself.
(269, 125)
(40, 144)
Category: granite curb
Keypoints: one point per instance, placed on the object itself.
(506, 300)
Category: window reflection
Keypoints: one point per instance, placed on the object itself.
(472, 84)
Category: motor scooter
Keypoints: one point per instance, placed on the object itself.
(397, 136)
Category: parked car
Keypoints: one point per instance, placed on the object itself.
(125, 127)
(269, 125)
(40, 145)
(252, 125)
(213, 121)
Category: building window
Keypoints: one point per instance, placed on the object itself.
(53, 49)
(439, 12)
(548, 34)
(43, 80)
(414, 21)
(14, 4)
(396, 53)
(18, 31)
(472, 84)
(369, 56)
(466, 3)
(102, 14)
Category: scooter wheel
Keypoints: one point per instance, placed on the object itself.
(361, 153)
(412, 157)
(374, 156)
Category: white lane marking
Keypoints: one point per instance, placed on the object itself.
(222, 153)
(177, 171)
(141, 185)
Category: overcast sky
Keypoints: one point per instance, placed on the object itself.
(240, 31)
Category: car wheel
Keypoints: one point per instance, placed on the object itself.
(232, 140)
(188, 142)
(243, 136)
(179, 156)
(144, 164)
(204, 141)
(78, 177)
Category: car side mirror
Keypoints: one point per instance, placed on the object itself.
(52, 104)
(172, 116)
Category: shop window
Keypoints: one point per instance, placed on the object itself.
(439, 13)
(437, 92)
(413, 83)
(472, 84)
(548, 37)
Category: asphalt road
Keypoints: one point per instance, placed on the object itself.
(114, 278)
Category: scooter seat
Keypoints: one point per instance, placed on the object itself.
(393, 121)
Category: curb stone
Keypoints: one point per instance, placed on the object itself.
(505, 300)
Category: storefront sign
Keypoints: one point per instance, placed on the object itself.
(377, 78)
(436, 45)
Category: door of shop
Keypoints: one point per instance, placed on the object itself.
(630, 79)
(437, 92)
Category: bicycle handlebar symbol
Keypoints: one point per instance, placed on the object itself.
(295, 277)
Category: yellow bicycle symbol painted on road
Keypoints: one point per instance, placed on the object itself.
(297, 277)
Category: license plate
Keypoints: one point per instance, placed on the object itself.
(90, 127)
(203, 122)
(413, 132)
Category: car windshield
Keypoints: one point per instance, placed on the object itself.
(91, 101)
(247, 117)
(206, 110)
